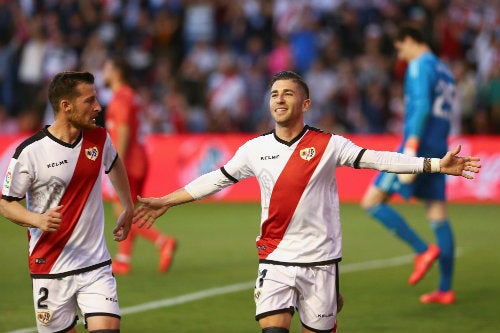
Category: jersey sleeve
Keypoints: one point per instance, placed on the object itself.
(391, 162)
(418, 92)
(348, 153)
(239, 166)
(109, 154)
(17, 179)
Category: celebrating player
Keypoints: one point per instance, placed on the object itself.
(429, 108)
(59, 171)
(300, 242)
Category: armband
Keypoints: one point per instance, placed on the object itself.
(431, 165)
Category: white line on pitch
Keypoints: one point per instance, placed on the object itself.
(232, 288)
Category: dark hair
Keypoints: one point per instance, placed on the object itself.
(413, 33)
(63, 86)
(290, 75)
(123, 66)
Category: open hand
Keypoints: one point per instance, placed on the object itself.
(149, 210)
(451, 164)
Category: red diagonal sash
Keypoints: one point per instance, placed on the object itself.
(88, 166)
(289, 188)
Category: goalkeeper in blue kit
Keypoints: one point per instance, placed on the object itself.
(429, 109)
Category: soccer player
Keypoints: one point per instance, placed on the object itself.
(59, 171)
(122, 122)
(300, 242)
(429, 109)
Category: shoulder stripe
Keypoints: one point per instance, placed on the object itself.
(34, 138)
(358, 159)
(267, 133)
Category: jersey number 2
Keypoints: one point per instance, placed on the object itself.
(45, 294)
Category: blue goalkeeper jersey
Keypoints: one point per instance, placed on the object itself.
(429, 104)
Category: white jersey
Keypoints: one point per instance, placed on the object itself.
(300, 220)
(49, 172)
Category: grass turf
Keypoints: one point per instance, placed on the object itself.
(216, 249)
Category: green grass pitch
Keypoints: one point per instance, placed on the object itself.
(216, 252)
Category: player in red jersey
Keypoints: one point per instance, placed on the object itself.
(122, 122)
(58, 170)
(300, 241)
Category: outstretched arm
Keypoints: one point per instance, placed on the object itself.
(206, 184)
(152, 208)
(450, 164)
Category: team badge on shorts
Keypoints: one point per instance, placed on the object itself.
(44, 317)
(307, 153)
(92, 153)
(256, 294)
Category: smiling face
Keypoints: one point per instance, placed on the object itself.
(83, 110)
(288, 103)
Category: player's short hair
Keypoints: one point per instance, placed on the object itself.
(290, 75)
(412, 32)
(63, 86)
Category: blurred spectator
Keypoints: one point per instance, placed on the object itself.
(466, 94)
(396, 106)
(487, 117)
(227, 106)
(323, 85)
(280, 57)
(175, 47)
(31, 61)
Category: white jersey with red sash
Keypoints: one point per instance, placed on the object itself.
(50, 172)
(300, 221)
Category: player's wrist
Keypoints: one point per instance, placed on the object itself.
(435, 165)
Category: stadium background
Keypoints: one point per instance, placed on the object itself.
(204, 65)
(184, 53)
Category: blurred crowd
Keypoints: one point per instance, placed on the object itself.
(204, 65)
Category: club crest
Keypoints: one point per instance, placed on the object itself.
(44, 317)
(307, 153)
(92, 153)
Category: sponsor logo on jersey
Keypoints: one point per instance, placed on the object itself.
(269, 157)
(92, 153)
(40, 261)
(54, 164)
(44, 317)
(8, 180)
(307, 153)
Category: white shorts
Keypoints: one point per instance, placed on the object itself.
(58, 300)
(313, 291)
